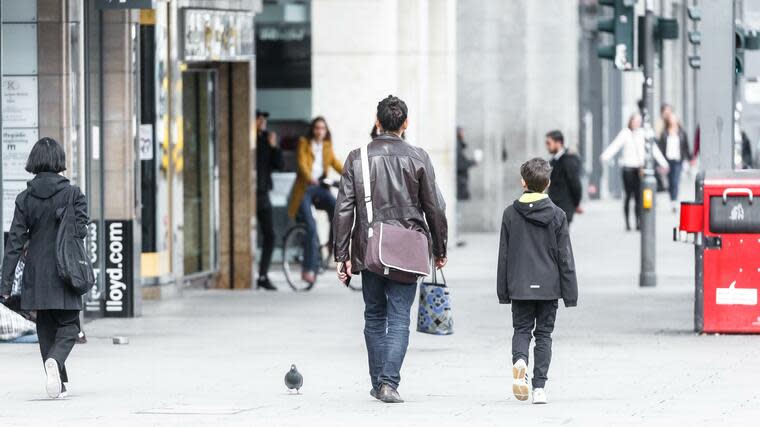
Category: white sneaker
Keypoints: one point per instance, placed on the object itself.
(539, 396)
(53, 385)
(520, 387)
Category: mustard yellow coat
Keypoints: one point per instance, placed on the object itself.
(304, 160)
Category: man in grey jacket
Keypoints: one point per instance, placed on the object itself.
(536, 268)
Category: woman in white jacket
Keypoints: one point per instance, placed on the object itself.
(633, 145)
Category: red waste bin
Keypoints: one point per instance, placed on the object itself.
(725, 224)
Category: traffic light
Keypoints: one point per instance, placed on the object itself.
(739, 41)
(621, 26)
(695, 36)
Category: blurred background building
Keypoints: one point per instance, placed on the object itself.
(154, 101)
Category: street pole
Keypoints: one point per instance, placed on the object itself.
(648, 276)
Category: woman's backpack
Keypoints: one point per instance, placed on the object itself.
(72, 260)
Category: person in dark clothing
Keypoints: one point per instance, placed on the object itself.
(565, 191)
(35, 220)
(404, 194)
(464, 164)
(535, 269)
(268, 158)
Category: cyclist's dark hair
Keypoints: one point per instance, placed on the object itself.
(391, 113)
(310, 134)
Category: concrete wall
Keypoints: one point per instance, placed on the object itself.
(364, 50)
(517, 77)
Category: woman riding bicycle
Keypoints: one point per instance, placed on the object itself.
(315, 157)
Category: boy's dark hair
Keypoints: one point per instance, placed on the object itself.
(536, 173)
(391, 113)
(47, 155)
(556, 135)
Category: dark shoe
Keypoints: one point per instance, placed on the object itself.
(264, 283)
(389, 394)
(64, 392)
(374, 393)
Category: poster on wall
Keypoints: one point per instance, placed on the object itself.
(20, 102)
(17, 144)
(119, 274)
(11, 189)
(146, 141)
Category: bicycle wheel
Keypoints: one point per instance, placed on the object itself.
(293, 256)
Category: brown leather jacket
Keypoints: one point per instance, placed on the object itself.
(404, 193)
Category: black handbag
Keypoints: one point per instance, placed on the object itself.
(434, 315)
(72, 260)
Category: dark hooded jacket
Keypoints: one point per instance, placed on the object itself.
(535, 255)
(35, 221)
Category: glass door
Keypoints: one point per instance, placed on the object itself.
(199, 172)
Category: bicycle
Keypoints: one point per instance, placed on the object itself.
(293, 246)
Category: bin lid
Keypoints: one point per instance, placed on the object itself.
(722, 178)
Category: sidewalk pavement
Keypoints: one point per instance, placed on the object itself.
(625, 356)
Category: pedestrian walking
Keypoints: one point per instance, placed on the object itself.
(632, 143)
(565, 191)
(268, 158)
(535, 269)
(402, 193)
(674, 144)
(35, 220)
(315, 157)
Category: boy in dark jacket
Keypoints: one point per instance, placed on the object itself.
(536, 268)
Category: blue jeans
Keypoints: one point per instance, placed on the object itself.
(674, 178)
(322, 199)
(387, 306)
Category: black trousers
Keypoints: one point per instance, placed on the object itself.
(632, 188)
(266, 227)
(57, 332)
(534, 318)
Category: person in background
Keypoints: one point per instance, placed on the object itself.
(674, 144)
(36, 220)
(315, 157)
(633, 145)
(268, 158)
(464, 163)
(565, 191)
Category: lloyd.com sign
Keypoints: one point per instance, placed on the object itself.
(119, 275)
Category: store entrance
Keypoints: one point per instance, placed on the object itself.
(200, 177)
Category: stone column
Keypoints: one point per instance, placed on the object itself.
(362, 51)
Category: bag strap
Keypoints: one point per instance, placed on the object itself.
(367, 187)
(435, 277)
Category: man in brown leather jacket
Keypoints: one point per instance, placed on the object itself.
(404, 193)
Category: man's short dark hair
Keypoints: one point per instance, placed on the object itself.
(664, 107)
(47, 155)
(391, 113)
(556, 135)
(536, 173)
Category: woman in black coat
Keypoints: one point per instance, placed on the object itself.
(35, 221)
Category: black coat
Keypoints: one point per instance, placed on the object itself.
(35, 221)
(463, 172)
(268, 158)
(565, 188)
(535, 255)
(662, 144)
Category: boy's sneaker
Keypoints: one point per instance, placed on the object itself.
(539, 396)
(53, 385)
(520, 387)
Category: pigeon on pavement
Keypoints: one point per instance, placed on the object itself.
(293, 379)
